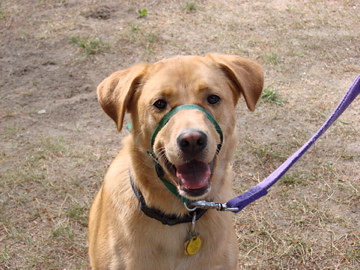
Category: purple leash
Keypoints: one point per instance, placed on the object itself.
(261, 189)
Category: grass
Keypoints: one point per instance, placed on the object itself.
(2, 14)
(190, 6)
(268, 153)
(264, 246)
(63, 232)
(272, 96)
(12, 130)
(272, 58)
(89, 46)
(134, 28)
(78, 213)
(293, 227)
(292, 179)
(32, 185)
(139, 36)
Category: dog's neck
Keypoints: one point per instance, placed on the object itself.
(147, 182)
(158, 196)
(166, 219)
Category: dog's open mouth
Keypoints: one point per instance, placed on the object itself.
(193, 177)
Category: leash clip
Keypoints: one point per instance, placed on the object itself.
(193, 205)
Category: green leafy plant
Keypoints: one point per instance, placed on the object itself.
(142, 13)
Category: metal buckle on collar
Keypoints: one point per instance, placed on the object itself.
(194, 205)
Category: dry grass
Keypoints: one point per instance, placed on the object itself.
(56, 143)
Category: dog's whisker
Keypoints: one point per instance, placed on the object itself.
(162, 157)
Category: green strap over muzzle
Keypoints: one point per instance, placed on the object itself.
(159, 170)
(177, 109)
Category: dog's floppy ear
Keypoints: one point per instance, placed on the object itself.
(246, 76)
(114, 93)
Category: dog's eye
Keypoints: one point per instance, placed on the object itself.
(160, 104)
(213, 99)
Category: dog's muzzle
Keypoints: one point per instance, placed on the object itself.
(177, 109)
(190, 142)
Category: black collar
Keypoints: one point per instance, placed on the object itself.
(161, 216)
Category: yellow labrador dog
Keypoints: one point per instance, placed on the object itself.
(179, 150)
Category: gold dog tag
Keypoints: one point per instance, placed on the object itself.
(193, 245)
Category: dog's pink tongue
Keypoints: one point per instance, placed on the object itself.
(194, 175)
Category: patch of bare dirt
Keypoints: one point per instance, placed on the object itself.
(56, 143)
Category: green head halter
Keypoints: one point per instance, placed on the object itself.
(162, 123)
(177, 109)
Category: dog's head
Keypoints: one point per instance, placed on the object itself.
(186, 146)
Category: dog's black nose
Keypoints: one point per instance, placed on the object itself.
(192, 141)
